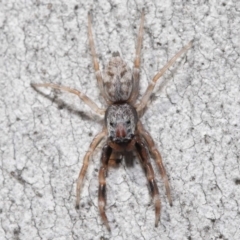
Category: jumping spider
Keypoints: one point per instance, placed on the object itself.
(125, 133)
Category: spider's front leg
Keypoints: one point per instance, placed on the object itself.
(106, 153)
(82, 173)
(144, 157)
(157, 156)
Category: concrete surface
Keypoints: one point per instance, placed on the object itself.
(194, 119)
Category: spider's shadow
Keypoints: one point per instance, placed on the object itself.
(61, 104)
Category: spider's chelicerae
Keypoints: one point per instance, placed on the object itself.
(119, 85)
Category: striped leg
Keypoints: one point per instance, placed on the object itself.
(143, 154)
(157, 156)
(82, 173)
(106, 153)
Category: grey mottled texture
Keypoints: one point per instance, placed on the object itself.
(194, 119)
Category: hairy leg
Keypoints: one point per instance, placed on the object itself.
(106, 153)
(135, 88)
(157, 156)
(95, 59)
(82, 173)
(152, 84)
(143, 155)
(81, 95)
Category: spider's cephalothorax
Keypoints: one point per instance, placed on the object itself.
(119, 86)
(121, 122)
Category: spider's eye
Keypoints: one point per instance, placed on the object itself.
(128, 122)
(111, 124)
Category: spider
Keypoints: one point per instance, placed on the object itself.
(119, 86)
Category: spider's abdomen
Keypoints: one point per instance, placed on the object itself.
(117, 80)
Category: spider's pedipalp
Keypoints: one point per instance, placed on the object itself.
(81, 95)
(152, 84)
(82, 173)
(157, 156)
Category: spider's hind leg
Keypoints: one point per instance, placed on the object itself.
(95, 59)
(140, 106)
(135, 88)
